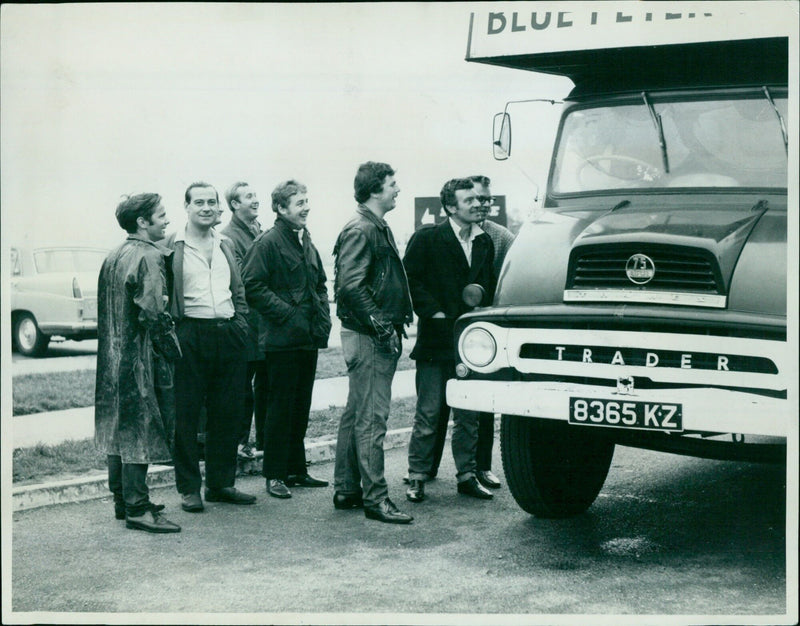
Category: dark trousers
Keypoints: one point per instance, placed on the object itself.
(290, 381)
(255, 402)
(483, 456)
(128, 483)
(211, 370)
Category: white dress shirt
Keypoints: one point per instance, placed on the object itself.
(472, 231)
(206, 288)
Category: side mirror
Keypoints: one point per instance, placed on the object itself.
(501, 136)
(472, 295)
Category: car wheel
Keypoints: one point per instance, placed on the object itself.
(28, 339)
(552, 469)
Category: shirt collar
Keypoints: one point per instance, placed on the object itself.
(180, 235)
(475, 230)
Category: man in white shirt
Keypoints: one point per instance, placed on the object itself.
(440, 261)
(210, 310)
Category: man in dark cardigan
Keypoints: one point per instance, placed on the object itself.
(242, 230)
(440, 261)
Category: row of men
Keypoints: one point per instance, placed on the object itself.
(175, 336)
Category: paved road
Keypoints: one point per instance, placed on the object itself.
(668, 535)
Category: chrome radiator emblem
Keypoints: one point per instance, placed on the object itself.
(625, 385)
(640, 269)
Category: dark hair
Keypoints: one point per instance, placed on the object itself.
(284, 192)
(448, 193)
(133, 207)
(369, 179)
(187, 196)
(232, 193)
(480, 179)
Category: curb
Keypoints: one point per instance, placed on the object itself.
(93, 487)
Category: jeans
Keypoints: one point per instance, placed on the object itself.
(431, 379)
(290, 376)
(128, 483)
(362, 428)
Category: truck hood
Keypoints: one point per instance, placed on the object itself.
(721, 231)
(720, 224)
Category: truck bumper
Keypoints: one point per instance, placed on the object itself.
(708, 410)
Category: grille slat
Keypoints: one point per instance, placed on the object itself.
(676, 269)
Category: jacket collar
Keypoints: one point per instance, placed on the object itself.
(163, 250)
(238, 223)
(378, 221)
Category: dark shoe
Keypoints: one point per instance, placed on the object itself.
(119, 509)
(245, 452)
(416, 491)
(343, 501)
(231, 495)
(472, 487)
(487, 479)
(277, 488)
(304, 480)
(191, 502)
(152, 521)
(387, 512)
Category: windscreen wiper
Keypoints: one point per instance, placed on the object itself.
(660, 130)
(780, 118)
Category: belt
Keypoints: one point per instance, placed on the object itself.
(214, 321)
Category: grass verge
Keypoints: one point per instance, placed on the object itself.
(57, 391)
(80, 457)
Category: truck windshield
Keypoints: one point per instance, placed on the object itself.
(734, 141)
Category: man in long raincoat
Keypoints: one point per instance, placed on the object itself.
(134, 399)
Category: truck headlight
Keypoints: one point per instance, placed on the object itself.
(478, 347)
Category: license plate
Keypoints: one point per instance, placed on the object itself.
(626, 414)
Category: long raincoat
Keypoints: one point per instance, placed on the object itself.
(134, 394)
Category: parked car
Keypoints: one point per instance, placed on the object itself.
(53, 294)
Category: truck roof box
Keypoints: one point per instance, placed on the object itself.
(645, 45)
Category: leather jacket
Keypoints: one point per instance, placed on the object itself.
(370, 286)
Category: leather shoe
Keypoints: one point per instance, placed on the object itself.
(471, 487)
(152, 521)
(277, 488)
(343, 501)
(487, 479)
(304, 480)
(415, 491)
(191, 502)
(387, 512)
(231, 495)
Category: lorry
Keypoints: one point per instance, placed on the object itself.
(644, 303)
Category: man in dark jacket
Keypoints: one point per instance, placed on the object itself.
(285, 282)
(441, 261)
(210, 310)
(373, 303)
(136, 344)
(242, 230)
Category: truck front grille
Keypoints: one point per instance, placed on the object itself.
(675, 269)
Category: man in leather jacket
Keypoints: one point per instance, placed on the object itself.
(373, 303)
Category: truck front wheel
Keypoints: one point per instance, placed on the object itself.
(552, 469)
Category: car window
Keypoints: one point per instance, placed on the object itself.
(68, 260)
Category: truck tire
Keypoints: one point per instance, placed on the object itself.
(27, 338)
(552, 469)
